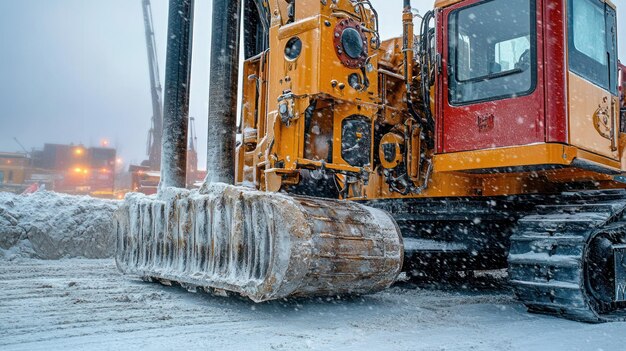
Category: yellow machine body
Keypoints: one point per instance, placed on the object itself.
(273, 153)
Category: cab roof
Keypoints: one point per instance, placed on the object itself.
(445, 3)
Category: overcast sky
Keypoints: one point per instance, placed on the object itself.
(76, 70)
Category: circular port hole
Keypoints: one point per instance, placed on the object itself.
(293, 49)
(352, 43)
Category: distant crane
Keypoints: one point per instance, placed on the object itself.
(145, 178)
(22, 146)
(192, 154)
(156, 130)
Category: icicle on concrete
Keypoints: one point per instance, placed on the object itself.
(263, 246)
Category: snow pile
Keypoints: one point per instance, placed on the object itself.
(49, 225)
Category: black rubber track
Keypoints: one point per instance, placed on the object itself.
(549, 255)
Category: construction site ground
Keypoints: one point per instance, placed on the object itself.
(77, 304)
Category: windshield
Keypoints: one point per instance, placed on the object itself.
(492, 51)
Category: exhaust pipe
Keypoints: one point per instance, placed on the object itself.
(223, 86)
(176, 102)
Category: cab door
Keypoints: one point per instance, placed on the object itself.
(492, 82)
(593, 77)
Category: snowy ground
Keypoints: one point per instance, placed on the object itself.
(86, 304)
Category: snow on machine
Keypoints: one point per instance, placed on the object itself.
(491, 139)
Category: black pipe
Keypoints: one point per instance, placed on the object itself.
(407, 3)
(255, 28)
(176, 102)
(251, 28)
(224, 76)
(425, 72)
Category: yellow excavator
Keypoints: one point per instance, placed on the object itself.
(490, 135)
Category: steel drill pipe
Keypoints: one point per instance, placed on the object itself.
(223, 91)
(176, 103)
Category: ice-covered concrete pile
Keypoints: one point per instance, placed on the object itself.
(49, 225)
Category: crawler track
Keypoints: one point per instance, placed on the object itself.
(552, 265)
(448, 235)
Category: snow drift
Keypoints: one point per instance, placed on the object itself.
(49, 225)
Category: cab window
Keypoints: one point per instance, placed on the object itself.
(492, 51)
(593, 42)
